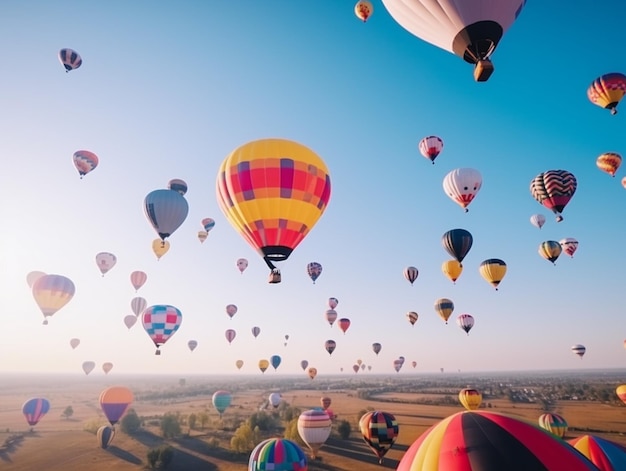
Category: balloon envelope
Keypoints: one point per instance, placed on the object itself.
(70, 59)
(161, 322)
(363, 10)
(457, 242)
(221, 400)
(160, 247)
(74, 343)
(607, 90)
(609, 162)
(553, 423)
(138, 305)
(138, 279)
(107, 366)
(493, 271)
(178, 185)
(462, 185)
(52, 292)
(379, 430)
(430, 147)
(34, 409)
(130, 321)
(277, 454)
(105, 435)
(192, 344)
(114, 402)
(166, 210)
(84, 161)
(578, 350)
(105, 261)
(263, 365)
(312, 372)
(314, 427)
(470, 398)
(314, 270)
(242, 264)
(538, 220)
(88, 366)
(554, 189)
(274, 399)
(304, 364)
(275, 361)
(607, 455)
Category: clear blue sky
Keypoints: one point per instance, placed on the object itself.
(167, 91)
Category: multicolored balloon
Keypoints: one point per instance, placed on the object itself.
(457, 242)
(493, 271)
(412, 316)
(34, 409)
(579, 350)
(138, 278)
(607, 455)
(609, 162)
(105, 435)
(208, 224)
(621, 392)
(51, 293)
(553, 423)
(332, 303)
(166, 210)
(314, 270)
(569, 246)
(462, 185)
(178, 185)
(114, 402)
(411, 274)
(470, 398)
(314, 427)
(550, 250)
(331, 316)
(105, 261)
(380, 431)
(363, 10)
(312, 372)
(70, 59)
(430, 147)
(277, 454)
(554, 189)
(221, 400)
(160, 323)
(607, 90)
(465, 322)
(84, 161)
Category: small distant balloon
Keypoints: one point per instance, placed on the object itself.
(130, 321)
(51, 293)
(256, 331)
(430, 147)
(462, 185)
(88, 366)
(333, 302)
(161, 322)
(239, 364)
(377, 347)
(85, 162)
(192, 344)
(242, 264)
(411, 274)
(202, 236)
(609, 162)
(470, 398)
(74, 343)
(70, 59)
(231, 310)
(569, 246)
(105, 435)
(304, 364)
(105, 261)
(34, 409)
(160, 247)
(579, 350)
(412, 316)
(208, 224)
(314, 270)
(312, 372)
(138, 279)
(607, 90)
(138, 305)
(465, 322)
(363, 10)
(275, 361)
(178, 185)
(550, 250)
(230, 335)
(263, 365)
(331, 316)
(344, 324)
(106, 367)
(538, 220)
(330, 346)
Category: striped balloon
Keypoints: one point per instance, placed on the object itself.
(605, 454)
(606, 91)
(550, 250)
(457, 242)
(481, 440)
(444, 307)
(70, 59)
(379, 430)
(34, 409)
(51, 293)
(430, 147)
(277, 454)
(230, 335)
(138, 279)
(493, 270)
(166, 210)
(470, 398)
(411, 274)
(161, 322)
(314, 427)
(554, 189)
(553, 423)
(178, 185)
(609, 162)
(105, 435)
(84, 161)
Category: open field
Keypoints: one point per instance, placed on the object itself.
(57, 443)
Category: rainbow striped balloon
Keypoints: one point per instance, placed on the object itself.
(277, 454)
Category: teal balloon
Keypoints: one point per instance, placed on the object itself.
(277, 454)
(221, 401)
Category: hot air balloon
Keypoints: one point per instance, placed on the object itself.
(607, 90)
(304, 364)
(70, 59)
(470, 398)
(344, 324)
(553, 423)
(192, 344)
(88, 366)
(178, 185)
(554, 189)
(277, 454)
(607, 455)
(106, 367)
(452, 269)
(569, 246)
(430, 147)
(231, 310)
(32, 277)
(138, 279)
(130, 321)
(74, 343)
(160, 247)
(359, 362)
(263, 365)
(332, 303)
(331, 316)
(160, 323)
(412, 316)
(379, 430)
(413, 364)
(397, 365)
(579, 350)
(230, 335)
(621, 392)
(493, 270)
(465, 322)
(274, 399)
(166, 210)
(377, 347)
(444, 307)
(624, 182)
(84, 161)
(470, 30)
(314, 427)
(355, 368)
(208, 224)
(256, 331)
(105, 261)
(239, 364)
(314, 270)
(609, 162)
(114, 402)
(51, 293)
(34, 409)
(411, 274)
(221, 400)
(550, 250)
(242, 264)
(138, 305)
(457, 242)
(325, 401)
(312, 372)
(538, 220)
(363, 10)
(273, 191)
(330, 346)
(481, 440)
(462, 185)
(202, 236)
(105, 435)
(275, 361)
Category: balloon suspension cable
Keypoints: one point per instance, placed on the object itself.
(270, 264)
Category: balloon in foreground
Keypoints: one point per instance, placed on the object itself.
(430, 147)
(411, 274)
(51, 293)
(106, 367)
(465, 322)
(166, 210)
(74, 343)
(462, 185)
(470, 29)
(84, 161)
(363, 10)
(470, 398)
(70, 59)
(160, 323)
(550, 250)
(114, 402)
(221, 400)
(457, 242)
(32, 277)
(105, 261)
(277, 454)
(553, 423)
(554, 189)
(579, 350)
(569, 245)
(605, 454)
(379, 430)
(609, 162)
(178, 185)
(242, 264)
(444, 307)
(263, 365)
(138, 279)
(192, 344)
(160, 247)
(621, 392)
(412, 316)
(105, 435)
(273, 191)
(34, 409)
(314, 427)
(493, 270)
(607, 90)
(88, 366)
(538, 220)
(480, 440)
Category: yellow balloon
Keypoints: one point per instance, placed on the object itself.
(263, 365)
(470, 398)
(160, 247)
(621, 392)
(444, 308)
(493, 270)
(51, 293)
(609, 162)
(452, 269)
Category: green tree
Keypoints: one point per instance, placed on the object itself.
(203, 417)
(68, 412)
(153, 457)
(262, 420)
(344, 429)
(191, 421)
(291, 432)
(244, 439)
(131, 422)
(170, 426)
(166, 455)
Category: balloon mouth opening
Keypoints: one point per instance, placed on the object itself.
(276, 253)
